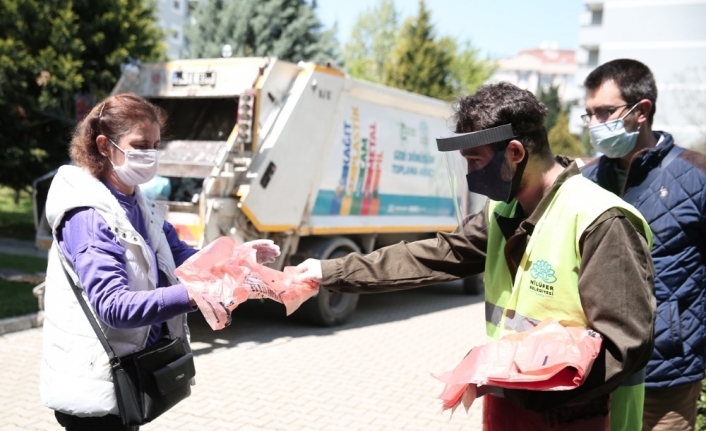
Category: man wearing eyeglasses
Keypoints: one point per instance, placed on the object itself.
(667, 185)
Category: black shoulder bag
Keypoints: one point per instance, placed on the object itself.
(148, 382)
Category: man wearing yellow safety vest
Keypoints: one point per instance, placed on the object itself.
(551, 244)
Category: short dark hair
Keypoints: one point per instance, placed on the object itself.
(503, 103)
(634, 79)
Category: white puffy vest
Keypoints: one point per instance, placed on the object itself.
(75, 373)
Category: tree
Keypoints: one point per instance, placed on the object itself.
(287, 29)
(377, 47)
(468, 72)
(588, 149)
(372, 40)
(50, 52)
(420, 63)
(561, 141)
(550, 97)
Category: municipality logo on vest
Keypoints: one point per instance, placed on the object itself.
(543, 276)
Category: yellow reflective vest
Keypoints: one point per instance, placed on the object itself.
(547, 279)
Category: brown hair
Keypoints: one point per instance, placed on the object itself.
(114, 117)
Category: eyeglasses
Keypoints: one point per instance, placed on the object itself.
(601, 114)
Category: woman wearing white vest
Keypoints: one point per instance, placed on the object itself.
(123, 252)
(551, 244)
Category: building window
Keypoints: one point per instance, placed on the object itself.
(597, 17)
(176, 34)
(192, 6)
(592, 57)
(545, 81)
(177, 5)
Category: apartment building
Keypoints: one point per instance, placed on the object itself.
(534, 69)
(172, 16)
(670, 38)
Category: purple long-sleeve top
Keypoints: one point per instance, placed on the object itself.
(98, 258)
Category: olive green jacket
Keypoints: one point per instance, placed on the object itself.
(616, 284)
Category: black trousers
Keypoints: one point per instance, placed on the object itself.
(102, 423)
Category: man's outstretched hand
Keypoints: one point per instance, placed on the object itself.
(267, 250)
(309, 271)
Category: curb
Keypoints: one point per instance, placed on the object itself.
(21, 248)
(21, 323)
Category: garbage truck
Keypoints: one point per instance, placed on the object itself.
(303, 154)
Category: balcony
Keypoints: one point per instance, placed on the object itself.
(591, 37)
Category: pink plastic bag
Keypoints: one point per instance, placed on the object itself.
(549, 357)
(224, 274)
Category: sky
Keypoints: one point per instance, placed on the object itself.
(498, 28)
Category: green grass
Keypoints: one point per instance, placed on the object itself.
(16, 220)
(16, 299)
(28, 264)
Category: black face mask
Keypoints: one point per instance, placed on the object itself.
(488, 180)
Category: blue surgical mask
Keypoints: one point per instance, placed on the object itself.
(611, 138)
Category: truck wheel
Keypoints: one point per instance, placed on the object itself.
(330, 308)
(473, 285)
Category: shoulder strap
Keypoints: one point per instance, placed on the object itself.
(91, 319)
(673, 154)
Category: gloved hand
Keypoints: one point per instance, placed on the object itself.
(309, 271)
(267, 250)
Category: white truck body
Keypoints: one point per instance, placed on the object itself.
(321, 163)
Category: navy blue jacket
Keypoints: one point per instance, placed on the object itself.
(673, 200)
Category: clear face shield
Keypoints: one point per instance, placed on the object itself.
(479, 170)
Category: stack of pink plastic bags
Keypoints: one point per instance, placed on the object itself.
(549, 357)
(225, 274)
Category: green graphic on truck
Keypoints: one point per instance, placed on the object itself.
(383, 166)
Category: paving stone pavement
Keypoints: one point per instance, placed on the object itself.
(270, 372)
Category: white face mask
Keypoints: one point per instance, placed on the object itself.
(139, 166)
(611, 138)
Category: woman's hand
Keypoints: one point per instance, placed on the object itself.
(267, 250)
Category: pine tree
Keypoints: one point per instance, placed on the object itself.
(561, 141)
(420, 63)
(51, 51)
(287, 29)
(372, 40)
(550, 97)
(468, 71)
